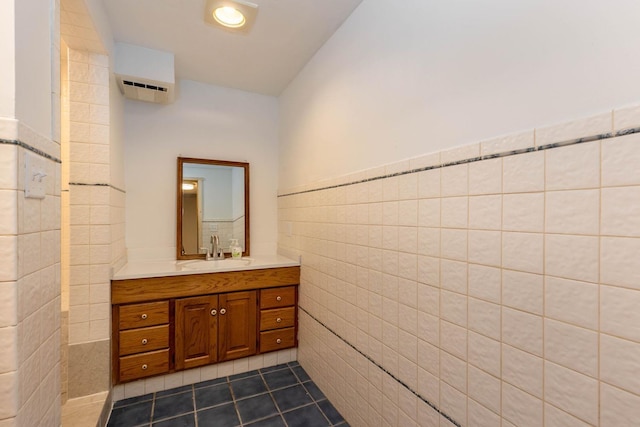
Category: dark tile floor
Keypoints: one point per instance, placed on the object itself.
(278, 396)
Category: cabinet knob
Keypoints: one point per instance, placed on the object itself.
(144, 367)
(278, 320)
(214, 311)
(144, 341)
(223, 311)
(144, 316)
(278, 298)
(278, 341)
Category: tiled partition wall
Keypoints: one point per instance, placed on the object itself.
(96, 224)
(495, 284)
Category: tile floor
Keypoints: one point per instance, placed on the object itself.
(278, 396)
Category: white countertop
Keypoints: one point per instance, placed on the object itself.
(142, 269)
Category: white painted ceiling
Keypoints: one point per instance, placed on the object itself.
(284, 37)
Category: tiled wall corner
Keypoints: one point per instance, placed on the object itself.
(497, 285)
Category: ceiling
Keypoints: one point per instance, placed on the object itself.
(285, 36)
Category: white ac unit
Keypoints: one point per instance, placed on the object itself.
(145, 74)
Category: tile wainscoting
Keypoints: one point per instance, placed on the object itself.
(494, 283)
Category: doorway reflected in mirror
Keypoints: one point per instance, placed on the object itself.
(213, 200)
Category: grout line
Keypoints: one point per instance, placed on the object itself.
(432, 405)
(195, 406)
(234, 400)
(589, 138)
(153, 408)
(269, 391)
(321, 411)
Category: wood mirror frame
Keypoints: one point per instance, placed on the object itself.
(179, 218)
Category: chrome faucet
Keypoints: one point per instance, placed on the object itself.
(216, 250)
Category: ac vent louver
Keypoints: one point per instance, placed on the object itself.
(145, 86)
(148, 91)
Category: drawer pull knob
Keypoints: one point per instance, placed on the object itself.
(278, 320)
(278, 341)
(144, 367)
(214, 311)
(278, 298)
(144, 341)
(144, 316)
(223, 311)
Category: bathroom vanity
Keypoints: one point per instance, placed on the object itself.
(176, 315)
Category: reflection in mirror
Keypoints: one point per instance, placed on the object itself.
(213, 200)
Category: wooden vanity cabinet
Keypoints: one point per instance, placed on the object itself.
(277, 318)
(143, 340)
(196, 331)
(237, 332)
(168, 324)
(215, 328)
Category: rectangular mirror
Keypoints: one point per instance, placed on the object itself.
(213, 199)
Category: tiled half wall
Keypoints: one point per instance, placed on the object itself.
(494, 284)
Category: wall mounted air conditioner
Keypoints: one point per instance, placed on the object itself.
(145, 74)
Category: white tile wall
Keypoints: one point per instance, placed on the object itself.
(571, 346)
(29, 287)
(573, 167)
(573, 212)
(508, 143)
(572, 392)
(619, 160)
(522, 370)
(92, 227)
(517, 282)
(596, 125)
(523, 291)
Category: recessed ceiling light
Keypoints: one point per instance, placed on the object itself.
(229, 17)
(237, 15)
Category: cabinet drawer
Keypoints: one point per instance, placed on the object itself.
(142, 315)
(144, 365)
(144, 339)
(277, 339)
(278, 297)
(277, 318)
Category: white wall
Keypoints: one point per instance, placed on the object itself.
(33, 65)
(101, 25)
(204, 122)
(441, 74)
(116, 143)
(7, 52)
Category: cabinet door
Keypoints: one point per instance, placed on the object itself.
(196, 331)
(238, 325)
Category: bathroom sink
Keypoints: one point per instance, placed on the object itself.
(217, 264)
